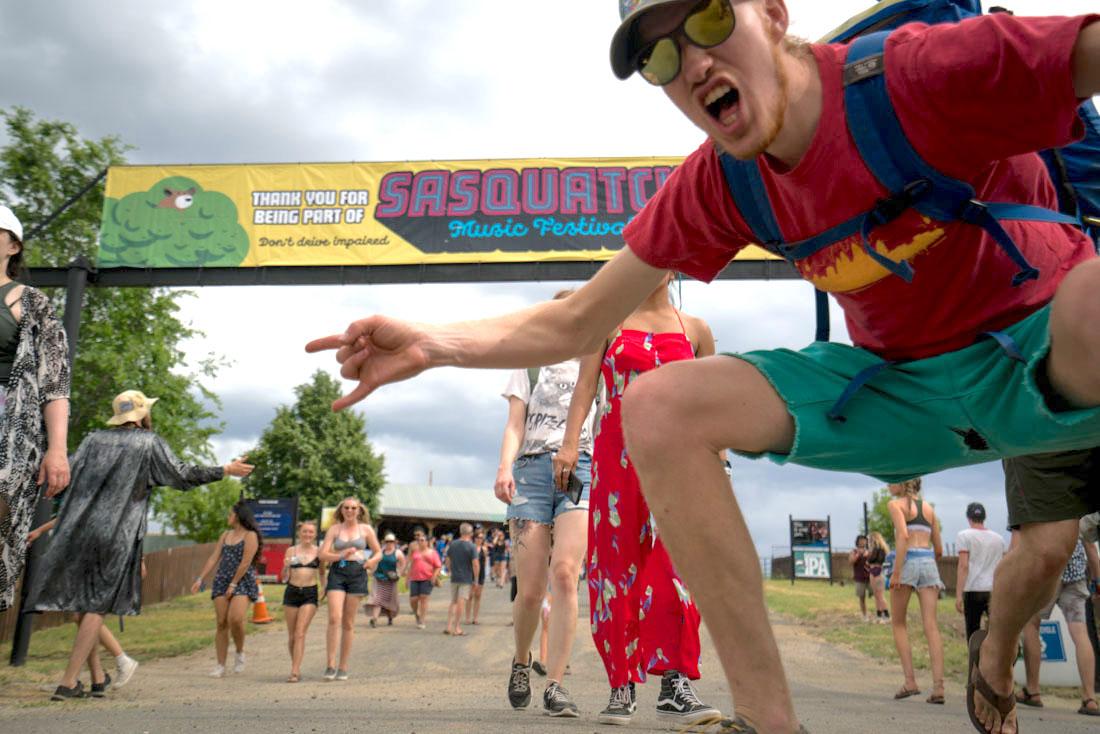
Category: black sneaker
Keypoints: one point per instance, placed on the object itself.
(678, 703)
(68, 694)
(539, 668)
(556, 701)
(99, 690)
(519, 685)
(620, 707)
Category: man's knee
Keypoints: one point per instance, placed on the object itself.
(1076, 308)
(1049, 546)
(650, 406)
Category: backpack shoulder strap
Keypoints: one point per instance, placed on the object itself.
(746, 186)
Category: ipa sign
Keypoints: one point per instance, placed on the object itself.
(811, 549)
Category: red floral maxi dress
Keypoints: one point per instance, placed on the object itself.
(643, 618)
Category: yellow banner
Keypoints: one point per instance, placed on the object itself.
(431, 212)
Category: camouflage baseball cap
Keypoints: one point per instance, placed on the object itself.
(624, 44)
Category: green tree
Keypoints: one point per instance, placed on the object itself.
(315, 454)
(878, 516)
(129, 337)
(200, 514)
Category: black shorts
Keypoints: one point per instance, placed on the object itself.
(351, 578)
(1060, 485)
(299, 596)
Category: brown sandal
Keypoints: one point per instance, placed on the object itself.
(976, 685)
(1027, 698)
(1085, 710)
(904, 692)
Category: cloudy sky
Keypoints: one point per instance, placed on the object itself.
(211, 81)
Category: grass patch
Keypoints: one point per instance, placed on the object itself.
(165, 630)
(832, 613)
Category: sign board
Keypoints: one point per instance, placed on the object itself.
(277, 517)
(271, 561)
(812, 564)
(1059, 658)
(406, 213)
(811, 549)
(328, 516)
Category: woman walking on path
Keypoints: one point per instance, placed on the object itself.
(917, 534)
(474, 606)
(875, 561)
(643, 618)
(496, 555)
(345, 548)
(34, 404)
(301, 570)
(384, 598)
(234, 586)
(422, 570)
(93, 564)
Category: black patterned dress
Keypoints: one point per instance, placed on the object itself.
(39, 375)
(227, 566)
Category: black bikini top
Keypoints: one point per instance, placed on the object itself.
(315, 563)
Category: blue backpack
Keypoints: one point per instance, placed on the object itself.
(885, 149)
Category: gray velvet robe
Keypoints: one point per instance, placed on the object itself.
(93, 563)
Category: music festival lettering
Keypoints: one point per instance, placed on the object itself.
(473, 210)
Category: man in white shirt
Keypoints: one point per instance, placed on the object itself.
(980, 550)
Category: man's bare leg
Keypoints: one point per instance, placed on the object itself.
(1086, 661)
(87, 637)
(1026, 579)
(676, 419)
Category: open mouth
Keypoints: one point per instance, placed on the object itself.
(722, 103)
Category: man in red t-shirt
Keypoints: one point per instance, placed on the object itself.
(956, 399)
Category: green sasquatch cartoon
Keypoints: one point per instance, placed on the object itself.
(173, 224)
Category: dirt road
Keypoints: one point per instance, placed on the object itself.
(409, 681)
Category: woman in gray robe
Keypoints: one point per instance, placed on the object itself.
(93, 563)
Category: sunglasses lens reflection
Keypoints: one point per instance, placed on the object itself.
(710, 25)
(662, 64)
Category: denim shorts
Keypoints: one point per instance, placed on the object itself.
(420, 588)
(537, 497)
(347, 576)
(920, 570)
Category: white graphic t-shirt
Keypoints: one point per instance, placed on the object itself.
(986, 548)
(548, 407)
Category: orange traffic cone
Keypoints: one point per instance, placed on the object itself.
(260, 615)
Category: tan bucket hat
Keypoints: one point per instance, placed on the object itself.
(130, 407)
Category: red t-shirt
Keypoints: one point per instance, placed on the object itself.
(975, 98)
(424, 565)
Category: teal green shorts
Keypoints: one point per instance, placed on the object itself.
(964, 407)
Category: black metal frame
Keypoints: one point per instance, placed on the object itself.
(371, 274)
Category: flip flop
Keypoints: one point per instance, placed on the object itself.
(1027, 698)
(736, 725)
(936, 698)
(460, 634)
(904, 692)
(976, 684)
(292, 678)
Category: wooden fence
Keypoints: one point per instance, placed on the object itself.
(170, 574)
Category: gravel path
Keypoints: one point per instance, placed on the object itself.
(405, 680)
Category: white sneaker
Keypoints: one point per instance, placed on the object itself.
(218, 672)
(126, 667)
(238, 664)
